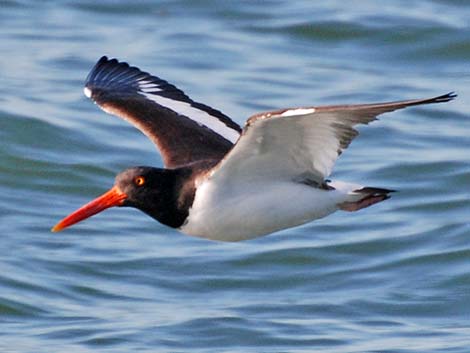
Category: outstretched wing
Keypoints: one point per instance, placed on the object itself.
(300, 144)
(183, 130)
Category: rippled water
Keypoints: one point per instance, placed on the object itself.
(392, 278)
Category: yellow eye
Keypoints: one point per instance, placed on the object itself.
(139, 181)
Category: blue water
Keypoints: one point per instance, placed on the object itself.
(391, 278)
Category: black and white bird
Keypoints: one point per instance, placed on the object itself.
(220, 181)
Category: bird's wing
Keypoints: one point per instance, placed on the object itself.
(301, 143)
(183, 130)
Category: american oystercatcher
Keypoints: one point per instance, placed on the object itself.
(220, 181)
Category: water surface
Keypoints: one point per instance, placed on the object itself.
(392, 278)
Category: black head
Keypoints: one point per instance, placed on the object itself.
(144, 186)
(164, 194)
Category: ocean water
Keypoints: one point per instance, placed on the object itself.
(391, 278)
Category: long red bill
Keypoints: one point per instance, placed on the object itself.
(113, 197)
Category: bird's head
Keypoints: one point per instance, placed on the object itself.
(146, 188)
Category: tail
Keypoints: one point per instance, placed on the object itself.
(367, 197)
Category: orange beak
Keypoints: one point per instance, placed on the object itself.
(113, 197)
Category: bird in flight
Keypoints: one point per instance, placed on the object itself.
(223, 182)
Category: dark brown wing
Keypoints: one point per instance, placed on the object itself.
(183, 130)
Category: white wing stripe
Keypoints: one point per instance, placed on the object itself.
(147, 86)
(298, 111)
(199, 116)
(143, 87)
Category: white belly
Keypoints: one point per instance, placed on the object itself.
(234, 214)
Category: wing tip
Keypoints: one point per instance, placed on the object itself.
(105, 60)
(444, 98)
(87, 91)
(108, 73)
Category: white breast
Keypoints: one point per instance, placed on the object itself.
(234, 213)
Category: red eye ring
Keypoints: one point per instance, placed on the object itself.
(139, 181)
